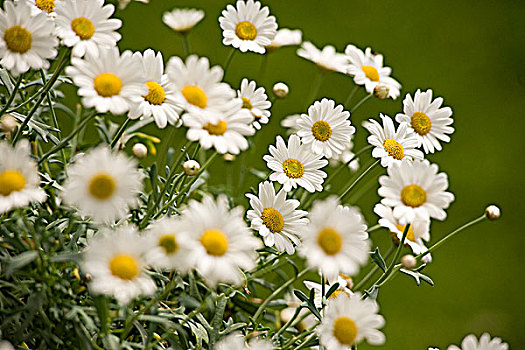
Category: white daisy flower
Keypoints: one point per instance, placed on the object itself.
(160, 103)
(182, 20)
(429, 121)
(392, 146)
(318, 289)
(290, 122)
(285, 37)
(276, 218)
(19, 180)
(367, 69)
(326, 128)
(86, 26)
(295, 164)
(327, 59)
(470, 342)
(235, 341)
(248, 27)
(103, 185)
(256, 101)
(170, 245)
(221, 242)
(418, 231)
(123, 3)
(199, 87)
(335, 241)
(26, 40)
(109, 82)
(39, 6)
(346, 156)
(350, 320)
(415, 189)
(116, 260)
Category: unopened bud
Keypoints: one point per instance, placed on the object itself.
(381, 91)
(409, 262)
(139, 150)
(8, 123)
(229, 157)
(492, 212)
(280, 90)
(191, 167)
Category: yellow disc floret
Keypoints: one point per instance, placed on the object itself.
(83, 28)
(11, 181)
(337, 293)
(102, 186)
(18, 39)
(421, 123)
(215, 242)
(107, 84)
(413, 196)
(293, 168)
(168, 243)
(245, 30)
(195, 96)
(272, 219)
(156, 94)
(394, 149)
(246, 103)
(370, 72)
(216, 129)
(345, 330)
(124, 267)
(330, 241)
(45, 5)
(410, 233)
(321, 130)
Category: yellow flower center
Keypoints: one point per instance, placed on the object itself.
(272, 219)
(370, 72)
(293, 168)
(394, 149)
(216, 129)
(45, 5)
(321, 130)
(215, 242)
(168, 243)
(156, 94)
(102, 186)
(83, 28)
(345, 330)
(124, 267)
(413, 196)
(410, 233)
(246, 103)
(107, 84)
(245, 30)
(18, 39)
(11, 181)
(421, 123)
(195, 96)
(337, 292)
(330, 241)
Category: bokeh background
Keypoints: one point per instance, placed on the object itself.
(472, 54)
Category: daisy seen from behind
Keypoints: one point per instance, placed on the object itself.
(285, 37)
(391, 145)
(182, 20)
(349, 320)
(103, 185)
(26, 40)
(221, 242)
(116, 260)
(248, 27)
(110, 82)
(429, 121)
(276, 218)
(295, 164)
(326, 128)
(236, 341)
(86, 25)
(335, 241)
(470, 342)
(160, 103)
(415, 190)
(327, 59)
(19, 179)
(256, 101)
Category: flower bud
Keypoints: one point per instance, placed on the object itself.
(280, 90)
(8, 123)
(409, 262)
(492, 212)
(381, 91)
(229, 157)
(191, 167)
(139, 150)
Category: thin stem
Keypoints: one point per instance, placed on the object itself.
(120, 132)
(316, 85)
(264, 64)
(374, 269)
(185, 44)
(183, 192)
(53, 116)
(12, 96)
(349, 98)
(373, 228)
(287, 324)
(228, 61)
(344, 165)
(138, 125)
(342, 196)
(366, 98)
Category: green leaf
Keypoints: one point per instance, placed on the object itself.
(378, 259)
(200, 333)
(111, 342)
(332, 289)
(301, 295)
(418, 276)
(20, 261)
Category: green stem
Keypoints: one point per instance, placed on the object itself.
(349, 98)
(366, 98)
(344, 165)
(343, 195)
(264, 64)
(316, 85)
(373, 228)
(120, 132)
(12, 96)
(287, 324)
(183, 193)
(228, 61)
(374, 269)
(185, 44)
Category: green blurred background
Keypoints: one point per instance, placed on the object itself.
(472, 54)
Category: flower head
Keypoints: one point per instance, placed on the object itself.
(182, 20)
(470, 342)
(286, 37)
(326, 59)
(255, 100)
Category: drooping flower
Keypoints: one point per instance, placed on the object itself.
(285, 37)
(182, 20)
(470, 342)
(256, 101)
(235, 341)
(326, 59)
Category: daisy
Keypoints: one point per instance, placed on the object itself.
(350, 320)
(221, 243)
(182, 20)
(285, 37)
(109, 82)
(327, 59)
(343, 288)
(255, 100)
(335, 241)
(116, 260)
(429, 121)
(248, 27)
(39, 6)
(295, 164)
(19, 180)
(235, 341)
(86, 26)
(160, 102)
(367, 69)
(485, 343)
(103, 185)
(346, 156)
(415, 189)
(123, 3)
(326, 128)
(290, 122)
(26, 40)
(390, 145)
(276, 218)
